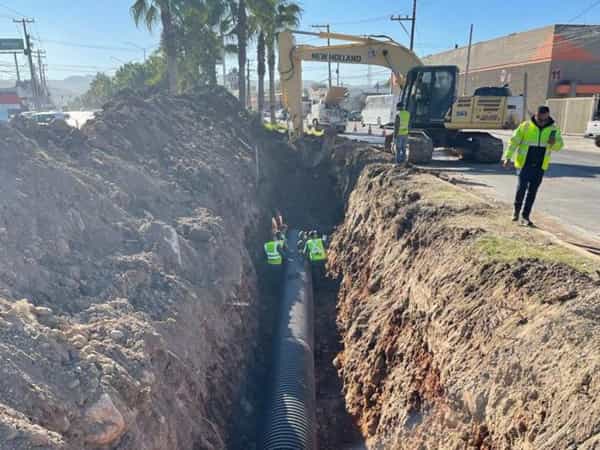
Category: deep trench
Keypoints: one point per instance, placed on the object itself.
(307, 197)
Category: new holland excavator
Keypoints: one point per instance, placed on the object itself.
(438, 117)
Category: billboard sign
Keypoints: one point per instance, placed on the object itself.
(12, 45)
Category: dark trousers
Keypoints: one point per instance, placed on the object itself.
(318, 273)
(274, 275)
(530, 179)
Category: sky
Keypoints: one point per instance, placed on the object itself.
(85, 36)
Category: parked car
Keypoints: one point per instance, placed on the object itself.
(355, 116)
(593, 129)
(44, 118)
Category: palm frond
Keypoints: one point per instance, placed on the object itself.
(138, 11)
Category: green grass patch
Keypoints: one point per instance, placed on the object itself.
(505, 249)
(441, 193)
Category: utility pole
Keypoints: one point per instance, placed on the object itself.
(468, 61)
(328, 28)
(34, 87)
(525, 93)
(17, 67)
(412, 20)
(43, 87)
(337, 71)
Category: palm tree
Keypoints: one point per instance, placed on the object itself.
(203, 24)
(260, 58)
(284, 14)
(262, 17)
(239, 14)
(150, 12)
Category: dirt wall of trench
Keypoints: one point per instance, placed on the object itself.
(129, 306)
(449, 340)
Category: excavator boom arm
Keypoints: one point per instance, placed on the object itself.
(362, 50)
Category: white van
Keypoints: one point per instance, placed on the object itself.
(380, 110)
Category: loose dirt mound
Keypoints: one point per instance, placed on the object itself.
(453, 341)
(128, 296)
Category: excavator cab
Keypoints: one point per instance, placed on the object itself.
(428, 94)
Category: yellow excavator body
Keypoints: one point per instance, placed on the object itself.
(475, 112)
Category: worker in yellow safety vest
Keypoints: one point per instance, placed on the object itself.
(530, 149)
(274, 250)
(314, 248)
(401, 133)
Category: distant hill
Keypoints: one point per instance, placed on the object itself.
(77, 84)
(62, 91)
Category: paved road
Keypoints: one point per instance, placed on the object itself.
(570, 192)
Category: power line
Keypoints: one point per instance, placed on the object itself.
(356, 22)
(96, 47)
(12, 10)
(80, 66)
(586, 10)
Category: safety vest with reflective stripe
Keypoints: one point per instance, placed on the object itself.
(402, 121)
(527, 135)
(316, 250)
(272, 251)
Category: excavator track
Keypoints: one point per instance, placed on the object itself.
(479, 147)
(420, 148)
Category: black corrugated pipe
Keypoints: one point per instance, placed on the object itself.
(290, 415)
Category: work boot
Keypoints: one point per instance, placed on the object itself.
(527, 222)
(516, 212)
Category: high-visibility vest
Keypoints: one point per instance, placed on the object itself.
(404, 117)
(316, 250)
(528, 134)
(272, 251)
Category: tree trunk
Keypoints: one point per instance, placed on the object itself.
(170, 49)
(242, 31)
(260, 57)
(211, 71)
(271, 63)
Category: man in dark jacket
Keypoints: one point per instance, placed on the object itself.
(530, 149)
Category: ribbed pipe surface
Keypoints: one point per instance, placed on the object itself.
(290, 415)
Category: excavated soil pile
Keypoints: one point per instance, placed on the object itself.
(454, 336)
(128, 297)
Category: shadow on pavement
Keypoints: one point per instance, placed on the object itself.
(556, 170)
(465, 182)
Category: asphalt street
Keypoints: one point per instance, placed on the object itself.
(570, 192)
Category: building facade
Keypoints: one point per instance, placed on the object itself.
(554, 61)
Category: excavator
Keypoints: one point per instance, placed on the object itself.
(439, 118)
